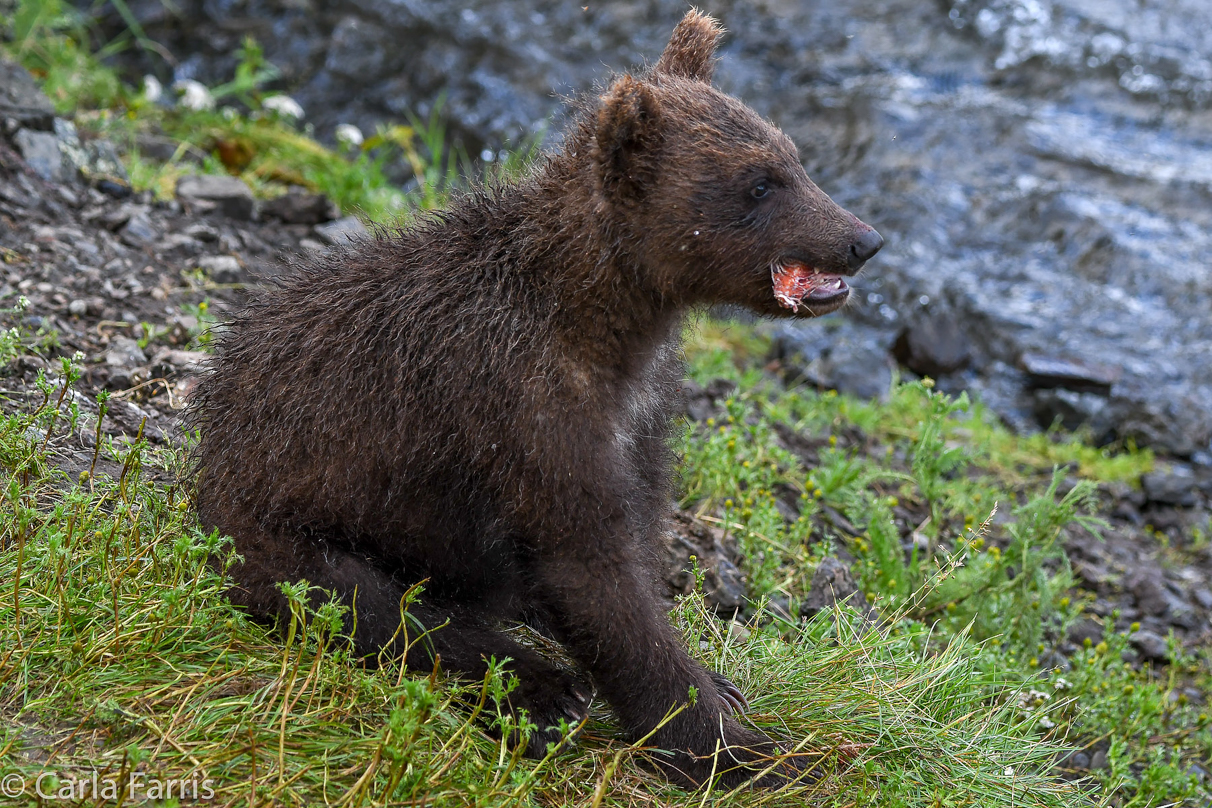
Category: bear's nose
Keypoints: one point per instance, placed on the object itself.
(866, 244)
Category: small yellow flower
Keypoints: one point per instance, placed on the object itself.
(1064, 603)
(833, 440)
(1101, 648)
(1135, 627)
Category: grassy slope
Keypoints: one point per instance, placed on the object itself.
(118, 652)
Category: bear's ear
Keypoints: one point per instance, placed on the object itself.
(628, 139)
(690, 53)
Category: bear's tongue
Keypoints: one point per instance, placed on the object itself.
(795, 281)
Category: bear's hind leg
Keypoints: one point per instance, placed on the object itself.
(460, 636)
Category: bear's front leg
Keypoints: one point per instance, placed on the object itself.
(596, 581)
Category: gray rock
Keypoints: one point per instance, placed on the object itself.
(21, 101)
(1071, 408)
(933, 347)
(226, 195)
(1071, 374)
(77, 308)
(1171, 484)
(124, 352)
(1086, 629)
(168, 361)
(41, 151)
(832, 583)
(1150, 645)
(221, 268)
(1149, 589)
(723, 583)
(838, 354)
(1098, 761)
(1203, 597)
(139, 231)
(300, 208)
(342, 231)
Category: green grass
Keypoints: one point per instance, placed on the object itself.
(240, 135)
(119, 652)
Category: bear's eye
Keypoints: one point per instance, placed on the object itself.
(761, 190)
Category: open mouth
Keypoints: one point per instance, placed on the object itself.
(797, 284)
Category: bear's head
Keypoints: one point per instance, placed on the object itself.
(714, 196)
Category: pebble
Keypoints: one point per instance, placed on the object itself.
(342, 231)
(1150, 645)
(221, 268)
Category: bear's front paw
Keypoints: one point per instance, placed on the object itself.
(730, 694)
(549, 696)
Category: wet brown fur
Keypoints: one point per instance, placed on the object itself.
(480, 400)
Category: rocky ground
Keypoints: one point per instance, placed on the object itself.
(131, 285)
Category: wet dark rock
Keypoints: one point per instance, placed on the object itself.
(723, 583)
(1171, 484)
(1147, 586)
(1085, 629)
(933, 347)
(699, 403)
(1079, 760)
(300, 208)
(837, 354)
(1151, 646)
(1081, 377)
(342, 231)
(1071, 408)
(832, 584)
(226, 195)
(22, 102)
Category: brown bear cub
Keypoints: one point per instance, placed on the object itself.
(481, 401)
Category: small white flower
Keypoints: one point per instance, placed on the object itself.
(349, 134)
(22, 303)
(152, 88)
(1009, 771)
(194, 94)
(1047, 723)
(284, 105)
(1062, 683)
(229, 113)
